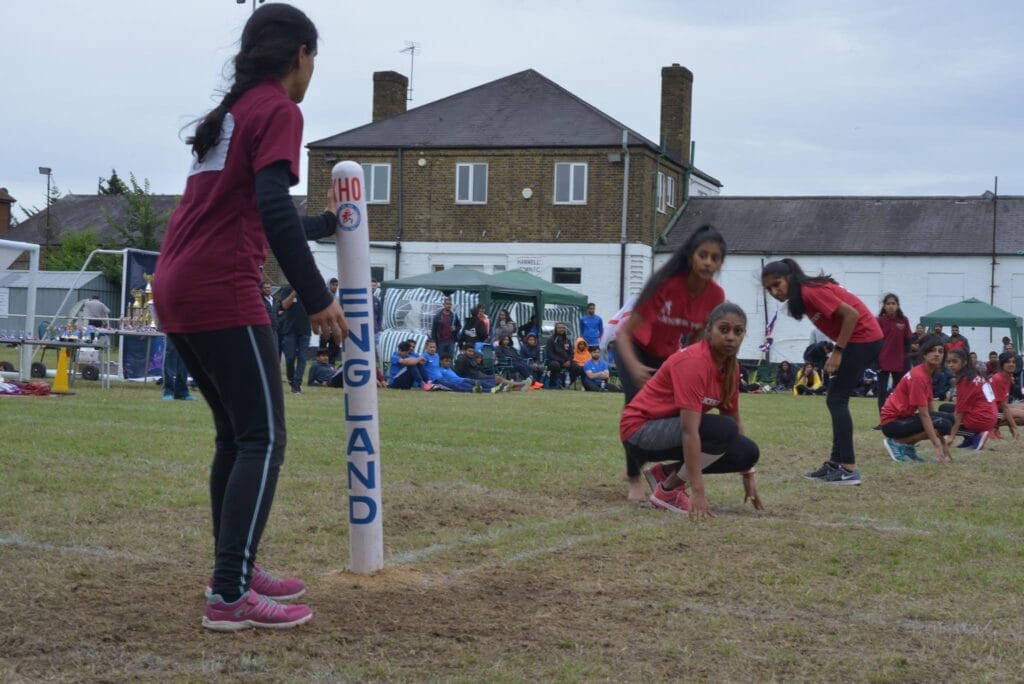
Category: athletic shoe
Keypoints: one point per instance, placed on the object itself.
(296, 390)
(477, 389)
(537, 385)
(189, 397)
(507, 387)
(910, 451)
(427, 386)
(655, 475)
(895, 449)
(676, 500)
(978, 443)
(822, 472)
(841, 476)
(252, 610)
(967, 442)
(168, 397)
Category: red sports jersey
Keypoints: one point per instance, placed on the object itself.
(912, 392)
(1000, 387)
(821, 303)
(203, 280)
(689, 380)
(976, 401)
(672, 318)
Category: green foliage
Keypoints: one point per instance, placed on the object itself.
(139, 225)
(114, 185)
(75, 249)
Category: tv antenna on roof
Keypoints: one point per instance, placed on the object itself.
(413, 49)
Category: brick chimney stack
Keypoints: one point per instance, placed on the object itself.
(389, 93)
(676, 104)
(5, 211)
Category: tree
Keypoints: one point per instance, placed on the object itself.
(139, 225)
(114, 185)
(75, 248)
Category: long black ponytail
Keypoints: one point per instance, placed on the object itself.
(270, 41)
(680, 261)
(791, 271)
(732, 365)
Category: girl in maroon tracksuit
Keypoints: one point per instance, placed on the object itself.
(892, 360)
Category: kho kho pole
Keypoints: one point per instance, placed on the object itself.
(362, 434)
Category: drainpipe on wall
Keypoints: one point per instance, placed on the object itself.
(401, 218)
(625, 212)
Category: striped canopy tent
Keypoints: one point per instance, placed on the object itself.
(974, 313)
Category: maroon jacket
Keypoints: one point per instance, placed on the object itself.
(895, 338)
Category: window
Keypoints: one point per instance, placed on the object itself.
(566, 276)
(659, 193)
(670, 190)
(437, 267)
(471, 183)
(570, 183)
(378, 183)
(377, 273)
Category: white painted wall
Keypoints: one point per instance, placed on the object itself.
(599, 263)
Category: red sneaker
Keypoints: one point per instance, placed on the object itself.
(676, 500)
(655, 475)
(250, 611)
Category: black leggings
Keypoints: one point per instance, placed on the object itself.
(630, 389)
(238, 372)
(662, 440)
(906, 427)
(882, 385)
(856, 358)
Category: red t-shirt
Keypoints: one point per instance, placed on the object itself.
(1000, 387)
(912, 392)
(688, 380)
(976, 401)
(896, 336)
(821, 303)
(208, 274)
(672, 315)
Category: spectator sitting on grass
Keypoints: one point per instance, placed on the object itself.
(808, 381)
(441, 374)
(321, 372)
(942, 383)
(784, 377)
(406, 369)
(596, 373)
(469, 365)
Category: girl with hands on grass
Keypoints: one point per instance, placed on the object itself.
(669, 420)
(907, 417)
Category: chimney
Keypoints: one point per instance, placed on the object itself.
(676, 102)
(389, 92)
(5, 211)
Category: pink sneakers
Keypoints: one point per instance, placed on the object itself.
(676, 500)
(656, 474)
(267, 584)
(252, 610)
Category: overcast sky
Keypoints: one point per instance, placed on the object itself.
(790, 97)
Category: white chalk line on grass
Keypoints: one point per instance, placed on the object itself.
(21, 542)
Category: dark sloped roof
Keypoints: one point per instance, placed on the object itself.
(76, 213)
(523, 110)
(856, 225)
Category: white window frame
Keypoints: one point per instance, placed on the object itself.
(670, 190)
(659, 193)
(573, 168)
(471, 166)
(368, 181)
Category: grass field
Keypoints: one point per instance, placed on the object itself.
(511, 552)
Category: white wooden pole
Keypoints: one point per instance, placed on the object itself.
(362, 433)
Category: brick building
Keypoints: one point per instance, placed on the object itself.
(517, 173)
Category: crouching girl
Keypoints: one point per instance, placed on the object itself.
(907, 417)
(975, 409)
(668, 420)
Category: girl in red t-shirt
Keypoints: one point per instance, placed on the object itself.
(669, 419)
(892, 359)
(245, 156)
(669, 313)
(907, 416)
(1001, 381)
(842, 316)
(975, 409)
